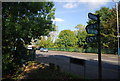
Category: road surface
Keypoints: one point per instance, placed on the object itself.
(88, 66)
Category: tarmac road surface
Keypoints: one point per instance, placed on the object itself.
(88, 66)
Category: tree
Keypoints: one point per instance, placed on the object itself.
(23, 20)
(81, 35)
(80, 27)
(67, 39)
(45, 42)
(108, 28)
(31, 21)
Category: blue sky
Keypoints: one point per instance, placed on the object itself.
(70, 14)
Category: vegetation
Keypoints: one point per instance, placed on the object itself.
(45, 43)
(108, 25)
(77, 39)
(39, 71)
(67, 39)
(108, 28)
(23, 21)
(84, 50)
(81, 35)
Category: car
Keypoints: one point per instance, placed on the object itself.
(43, 50)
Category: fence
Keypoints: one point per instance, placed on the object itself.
(88, 50)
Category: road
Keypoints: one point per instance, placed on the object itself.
(88, 66)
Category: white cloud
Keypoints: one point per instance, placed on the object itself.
(70, 5)
(67, 12)
(84, 0)
(58, 19)
(96, 1)
(93, 5)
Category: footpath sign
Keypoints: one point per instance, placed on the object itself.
(95, 29)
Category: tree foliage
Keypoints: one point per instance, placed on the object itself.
(108, 28)
(66, 39)
(27, 20)
(24, 20)
(81, 35)
(45, 43)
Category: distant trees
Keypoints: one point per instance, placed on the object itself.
(45, 42)
(76, 39)
(66, 39)
(81, 35)
(72, 39)
(108, 25)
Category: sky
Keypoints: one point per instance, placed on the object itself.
(69, 14)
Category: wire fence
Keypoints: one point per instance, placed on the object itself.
(87, 50)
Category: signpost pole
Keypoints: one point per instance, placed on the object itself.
(99, 51)
(95, 29)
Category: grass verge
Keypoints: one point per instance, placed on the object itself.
(35, 70)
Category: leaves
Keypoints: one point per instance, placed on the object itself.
(81, 35)
(45, 42)
(67, 39)
(108, 28)
(24, 20)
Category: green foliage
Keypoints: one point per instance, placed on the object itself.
(67, 39)
(119, 16)
(108, 28)
(80, 27)
(81, 35)
(31, 21)
(45, 43)
(7, 62)
(23, 20)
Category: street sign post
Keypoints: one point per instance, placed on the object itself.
(95, 29)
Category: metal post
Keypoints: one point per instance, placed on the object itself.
(99, 51)
(116, 5)
(118, 38)
(117, 25)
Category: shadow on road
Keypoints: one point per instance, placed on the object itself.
(85, 68)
